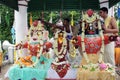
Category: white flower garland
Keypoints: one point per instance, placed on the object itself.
(72, 50)
(63, 49)
(83, 44)
(102, 46)
(91, 19)
(40, 38)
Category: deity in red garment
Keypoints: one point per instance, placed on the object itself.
(60, 65)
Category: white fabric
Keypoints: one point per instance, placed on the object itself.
(104, 3)
(70, 27)
(52, 40)
(71, 74)
(111, 11)
(76, 60)
(69, 33)
(109, 53)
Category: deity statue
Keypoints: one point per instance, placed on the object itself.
(60, 64)
(36, 43)
(92, 42)
(37, 59)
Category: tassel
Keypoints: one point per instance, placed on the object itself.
(31, 21)
(72, 21)
(51, 14)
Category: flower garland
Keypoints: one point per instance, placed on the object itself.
(102, 46)
(83, 44)
(63, 50)
(41, 42)
(64, 45)
(72, 49)
(90, 20)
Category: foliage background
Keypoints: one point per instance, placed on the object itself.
(7, 17)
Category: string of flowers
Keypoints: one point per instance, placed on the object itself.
(63, 50)
(102, 46)
(82, 40)
(40, 38)
(72, 50)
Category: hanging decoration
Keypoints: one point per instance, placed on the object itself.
(51, 17)
(59, 22)
(42, 15)
(7, 18)
(31, 21)
(72, 21)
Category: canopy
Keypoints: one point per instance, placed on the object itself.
(67, 4)
(62, 4)
(43, 5)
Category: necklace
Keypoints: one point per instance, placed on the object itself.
(63, 49)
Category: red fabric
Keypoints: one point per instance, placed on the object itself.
(48, 45)
(106, 39)
(61, 69)
(63, 72)
(34, 49)
(92, 44)
(25, 45)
